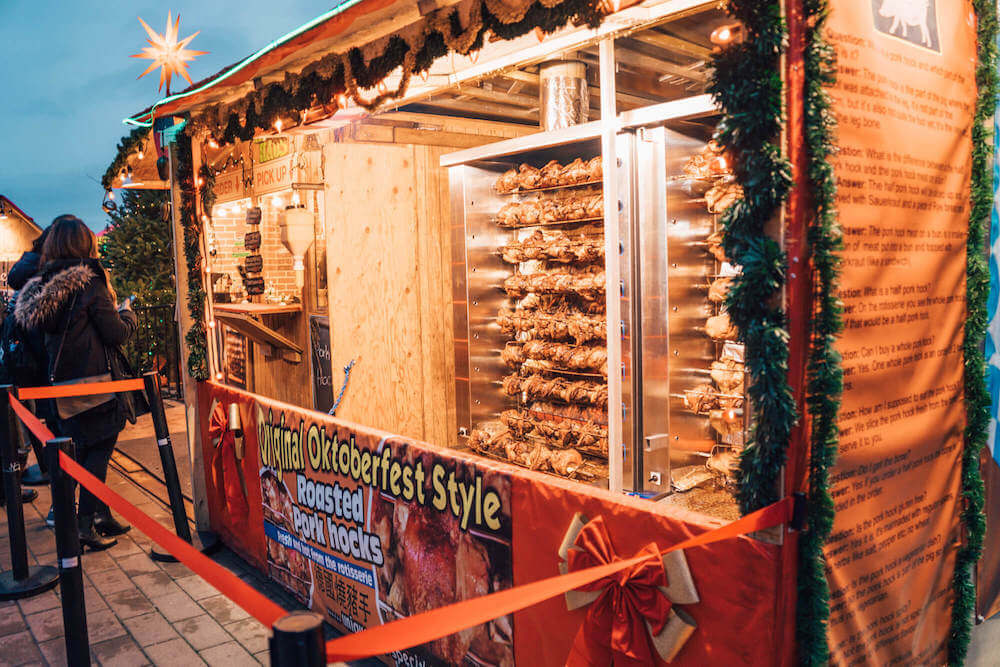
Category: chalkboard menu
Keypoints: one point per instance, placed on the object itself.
(235, 350)
(322, 370)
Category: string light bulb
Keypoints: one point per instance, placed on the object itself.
(731, 33)
(212, 143)
(277, 125)
(342, 101)
(141, 155)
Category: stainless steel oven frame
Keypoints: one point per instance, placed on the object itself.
(652, 231)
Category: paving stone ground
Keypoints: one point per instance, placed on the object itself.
(139, 611)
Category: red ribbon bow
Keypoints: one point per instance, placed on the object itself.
(615, 632)
(225, 473)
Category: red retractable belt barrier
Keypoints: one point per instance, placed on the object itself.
(33, 423)
(67, 390)
(227, 583)
(408, 632)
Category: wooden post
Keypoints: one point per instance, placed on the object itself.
(184, 321)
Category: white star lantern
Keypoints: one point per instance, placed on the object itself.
(167, 53)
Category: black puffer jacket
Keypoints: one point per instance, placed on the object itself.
(72, 296)
(23, 270)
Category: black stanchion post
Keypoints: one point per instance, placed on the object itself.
(23, 580)
(162, 433)
(297, 640)
(68, 552)
(34, 475)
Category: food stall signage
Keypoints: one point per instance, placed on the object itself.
(271, 148)
(279, 174)
(229, 186)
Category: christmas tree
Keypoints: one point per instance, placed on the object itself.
(136, 248)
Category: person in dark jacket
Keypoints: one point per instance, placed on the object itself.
(25, 268)
(72, 304)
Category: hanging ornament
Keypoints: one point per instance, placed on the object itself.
(167, 53)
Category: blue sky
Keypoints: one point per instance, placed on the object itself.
(66, 81)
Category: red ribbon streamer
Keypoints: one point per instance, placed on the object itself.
(430, 625)
(68, 390)
(33, 423)
(227, 583)
(414, 630)
(614, 632)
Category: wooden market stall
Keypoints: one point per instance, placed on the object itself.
(416, 285)
(17, 232)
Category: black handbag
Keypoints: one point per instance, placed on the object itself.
(134, 403)
(71, 406)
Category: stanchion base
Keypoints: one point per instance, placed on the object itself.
(33, 476)
(204, 541)
(40, 579)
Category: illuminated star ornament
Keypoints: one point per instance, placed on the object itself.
(167, 53)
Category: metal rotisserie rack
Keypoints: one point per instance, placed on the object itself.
(531, 259)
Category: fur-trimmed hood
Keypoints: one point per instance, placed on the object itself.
(40, 304)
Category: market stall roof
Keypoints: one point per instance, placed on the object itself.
(140, 172)
(366, 20)
(7, 207)
(651, 62)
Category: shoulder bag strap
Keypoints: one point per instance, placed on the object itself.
(62, 341)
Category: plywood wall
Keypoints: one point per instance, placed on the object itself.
(387, 216)
(390, 287)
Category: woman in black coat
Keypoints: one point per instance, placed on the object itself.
(73, 305)
(25, 268)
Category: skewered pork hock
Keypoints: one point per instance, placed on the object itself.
(720, 327)
(553, 325)
(586, 282)
(558, 433)
(553, 174)
(556, 247)
(530, 454)
(562, 356)
(536, 386)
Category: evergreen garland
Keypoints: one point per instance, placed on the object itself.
(824, 374)
(977, 400)
(321, 82)
(126, 147)
(747, 85)
(196, 336)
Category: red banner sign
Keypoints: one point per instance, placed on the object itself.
(366, 528)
